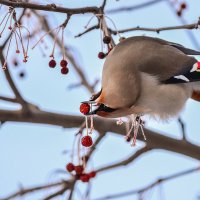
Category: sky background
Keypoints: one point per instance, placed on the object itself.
(30, 154)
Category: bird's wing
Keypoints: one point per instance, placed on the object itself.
(160, 58)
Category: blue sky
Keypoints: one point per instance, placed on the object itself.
(29, 154)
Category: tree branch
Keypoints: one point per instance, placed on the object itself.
(152, 185)
(126, 161)
(12, 100)
(138, 28)
(134, 7)
(49, 7)
(22, 192)
(154, 140)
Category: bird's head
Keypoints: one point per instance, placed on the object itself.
(120, 84)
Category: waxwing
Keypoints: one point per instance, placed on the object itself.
(144, 75)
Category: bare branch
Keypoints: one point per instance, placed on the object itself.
(134, 7)
(58, 193)
(22, 192)
(150, 186)
(87, 30)
(12, 100)
(126, 161)
(103, 4)
(154, 140)
(49, 7)
(138, 28)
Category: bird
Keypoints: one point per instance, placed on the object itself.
(147, 76)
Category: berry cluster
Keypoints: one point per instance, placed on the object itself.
(107, 41)
(63, 64)
(182, 7)
(52, 62)
(79, 173)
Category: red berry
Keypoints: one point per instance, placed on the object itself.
(64, 70)
(17, 51)
(78, 169)
(92, 174)
(10, 28)
(183, 6)
(101, 55)
(106, 39)
(86, 141)
(85, 178)
(70, 167)
(52, 63)
(84, 108)
(77, 176)
(63, 63)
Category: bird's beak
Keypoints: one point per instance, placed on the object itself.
(101, 109)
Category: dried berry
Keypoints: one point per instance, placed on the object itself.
(86, 141)
(92, 174)
(107, 39)
(78, 169)
(183, 6)
(64, 70)
(101, 55)
(70, 167)
(84, 108)
(52, 63)
(85, 178)
(63, 63)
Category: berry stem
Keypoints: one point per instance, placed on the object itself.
(55, 40)
(86, 26)
(86, 124)
(44, 36)
(5, 63)
(20, 38)
(114, 25)
(5, 24)
(4, 18)
(79, 149)
(63, 47)
(101, 35)
(15, 34)
(73, 149)
(28, 40)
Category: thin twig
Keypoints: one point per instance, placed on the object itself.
(57, 193)
(150, 186)
(87, 30)
(49, 7)
(134, 7)
(126, 161)
(12, 100)
(138, 28)
(22, 192)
